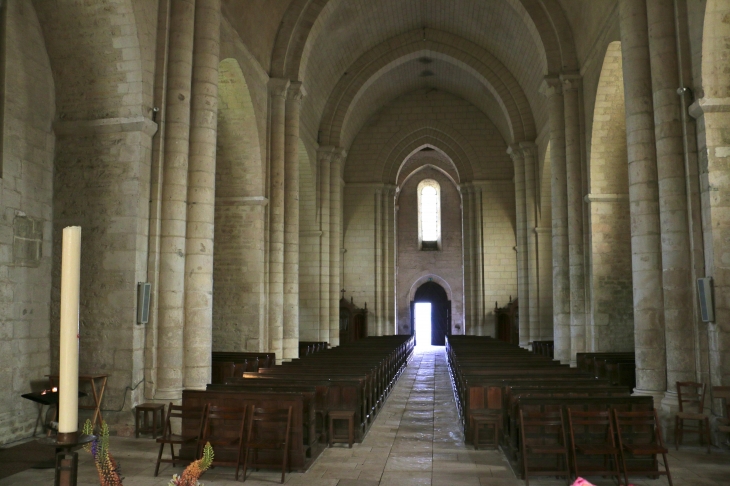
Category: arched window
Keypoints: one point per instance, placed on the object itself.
(429, 215)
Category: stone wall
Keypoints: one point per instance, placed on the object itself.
(413, 264)
(26, 220)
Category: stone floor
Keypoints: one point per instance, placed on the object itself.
(416, 440)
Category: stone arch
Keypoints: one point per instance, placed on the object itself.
(427, 132)
(415, 172)
(430, 277)
(611, 326)
(546, 16)
(238, 271)
(409, 46)
(86, 42)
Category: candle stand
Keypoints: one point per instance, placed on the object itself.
(67, 460)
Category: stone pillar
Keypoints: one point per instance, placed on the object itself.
(201, 196)
(673, 211)
(291, 222)
(478, 249)
(388, 262)
(173, 213)
(572, 87)
(544, 243)
(324, 158)
(469, 322)
(277, 91)
(378, 307)
(646, 264)
(523, 294)
(559, 187)
(335, 244)
(529, 152)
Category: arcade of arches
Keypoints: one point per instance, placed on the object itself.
(252, 159)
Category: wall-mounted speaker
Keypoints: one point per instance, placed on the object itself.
(143, 302)
(704, 291)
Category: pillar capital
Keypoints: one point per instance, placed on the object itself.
(571, 81)
(551, 86)
(278, 87)
(296, 91)
(326, 153)
(529, 149)
(515, 152)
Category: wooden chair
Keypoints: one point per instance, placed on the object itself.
(223, 427)
(691, 395)
(269, 428)
(723, 393)
(595, 437)
(177, 412)
(558, 448)
(639, 434)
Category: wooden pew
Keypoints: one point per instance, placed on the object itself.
(299, 458)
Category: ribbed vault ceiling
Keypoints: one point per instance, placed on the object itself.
(346, 29)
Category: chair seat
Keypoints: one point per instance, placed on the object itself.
(647, 449)
(175, 439)
(547, 450)
(691, 416)
(596, 449)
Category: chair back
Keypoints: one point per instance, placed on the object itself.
(252, 364)
(591, 427)
(269, 425)
(223, 425)
(541, 427)
(637, 428)
(691, 396)
(183, 413)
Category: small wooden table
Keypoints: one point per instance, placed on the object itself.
(348, 415)
(97, 395)
(143, 409)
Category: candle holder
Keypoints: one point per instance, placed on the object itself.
(67, 460)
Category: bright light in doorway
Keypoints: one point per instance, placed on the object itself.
(423, 324)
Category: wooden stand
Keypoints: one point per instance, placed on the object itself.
(67, 461)
(97, 395)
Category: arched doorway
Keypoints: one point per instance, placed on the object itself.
(434, 294)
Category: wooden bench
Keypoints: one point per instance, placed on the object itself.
(299, 456)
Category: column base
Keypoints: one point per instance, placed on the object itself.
(658, 396)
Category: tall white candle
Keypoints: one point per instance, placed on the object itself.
(68, 383)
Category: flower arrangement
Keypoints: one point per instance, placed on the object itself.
(191, 473)
(105, 464)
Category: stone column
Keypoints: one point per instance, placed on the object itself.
(572, 87)
(529, 152)
(335, 244)
(201, 196)
(173, 213)
(544, 243)
(324, 157)
(388, 262)
(646, 264)
(478, 249)
(523, 294)
(559, 188)
(277, 91)
(291, 222)
(378, 290)
(466, 195)
(673, 212)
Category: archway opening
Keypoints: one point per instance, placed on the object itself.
(431, 297)
(423, 324)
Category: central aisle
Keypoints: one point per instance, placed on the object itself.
(415, 440)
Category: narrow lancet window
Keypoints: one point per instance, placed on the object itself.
(429, 215)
